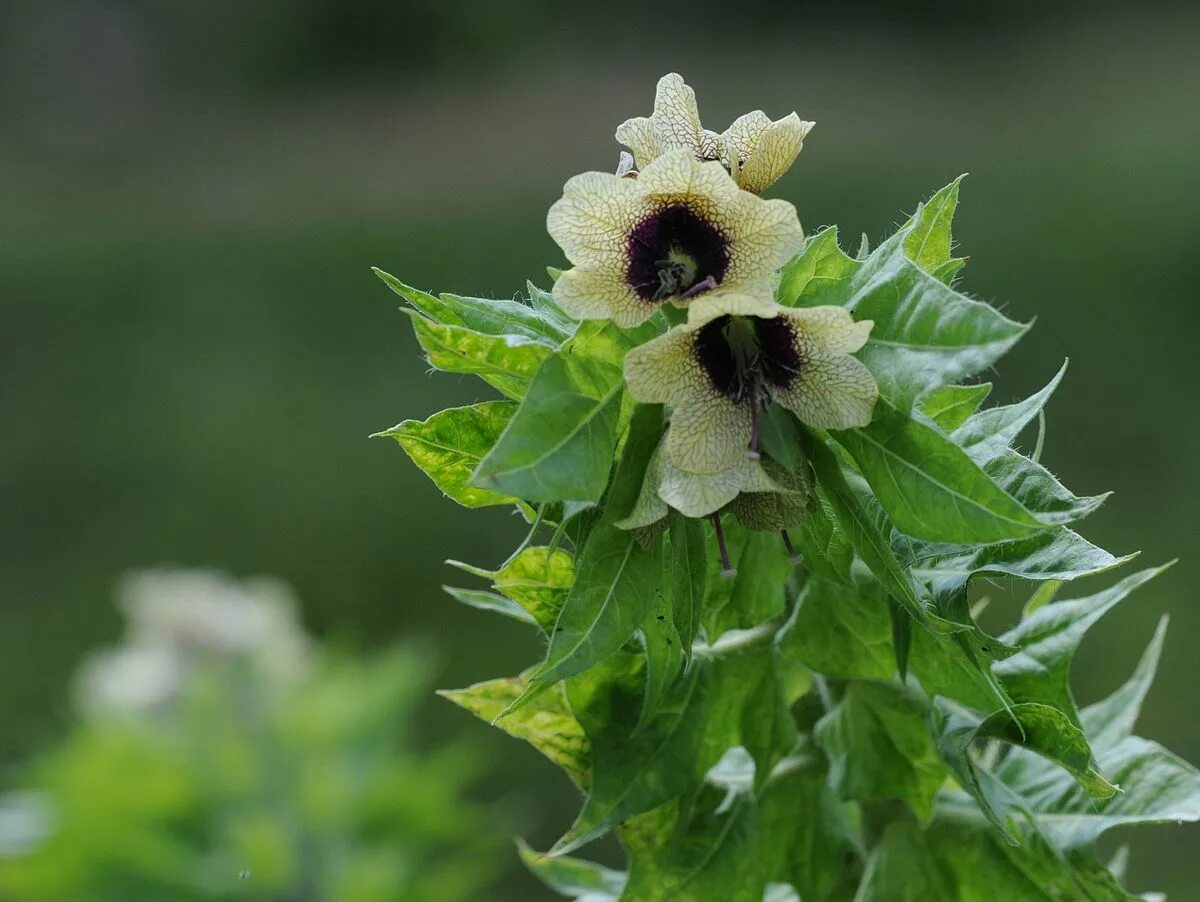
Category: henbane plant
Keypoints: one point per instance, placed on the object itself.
(760, 481)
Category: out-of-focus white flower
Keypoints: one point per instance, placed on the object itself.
(179, 620)
(130, 678)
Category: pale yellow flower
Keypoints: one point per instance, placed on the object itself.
(679, 231)
(755, 149)
(695, 495)
(726, 361)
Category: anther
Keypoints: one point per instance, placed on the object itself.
(793, 556)
(708, 283)
(727, 571)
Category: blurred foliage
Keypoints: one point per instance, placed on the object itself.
(221, 756)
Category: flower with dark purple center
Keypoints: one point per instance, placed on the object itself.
(680, 231)
(731, 358)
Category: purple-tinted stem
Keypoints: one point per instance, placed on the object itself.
(726, 568)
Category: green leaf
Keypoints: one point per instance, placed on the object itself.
(951, 405)
(1037, 490)
(755, 594)
(1048, 640)
(1056, 554)
(449, 446)
(489, 601)
(491, 317)
(543, 302)
(538, 579)
(927, 240)
(699, 852)
(926, 334)
(1049, 733)
(814, 276)
(559, 444)
(1109, 721)
(664, 659)
(863, 530)
(750, 693)
(687, 562)
(546, 723)
(929, 486)
(840, 631)
(617, 579)
(508, 364)
(879, 748)
(808, 852)
(959, 862)
(633, 769)
(989, 432)
(573, 877)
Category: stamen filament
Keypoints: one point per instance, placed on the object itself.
(708, 283)
(727, 571)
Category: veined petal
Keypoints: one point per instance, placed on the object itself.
(698, 495)
(765, 234)
(712, 146)
(832, 330)
(592, 220)
(676, 117)
(600, 294)
(664, 370)
(832, 391)
(639, 136)
(758, 151)
(755, 299)
(678, 176)
(709, 433)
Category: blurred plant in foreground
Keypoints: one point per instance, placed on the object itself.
(220, 754)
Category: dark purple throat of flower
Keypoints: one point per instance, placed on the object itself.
(745, 357)
(675, 253)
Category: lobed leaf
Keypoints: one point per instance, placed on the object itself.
(929, 486)
(449, 445)
(508, 363)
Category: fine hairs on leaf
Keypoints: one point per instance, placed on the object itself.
(763, 484)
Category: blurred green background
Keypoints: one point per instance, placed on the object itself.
(194, 349)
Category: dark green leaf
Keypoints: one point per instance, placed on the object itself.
(687, 579)
(841, 631)
(929, 486)
(863, 530)
(633, 770)
(559, 444)
(664, 659)
(617, 579)
(879, 747)
(1055, 554)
